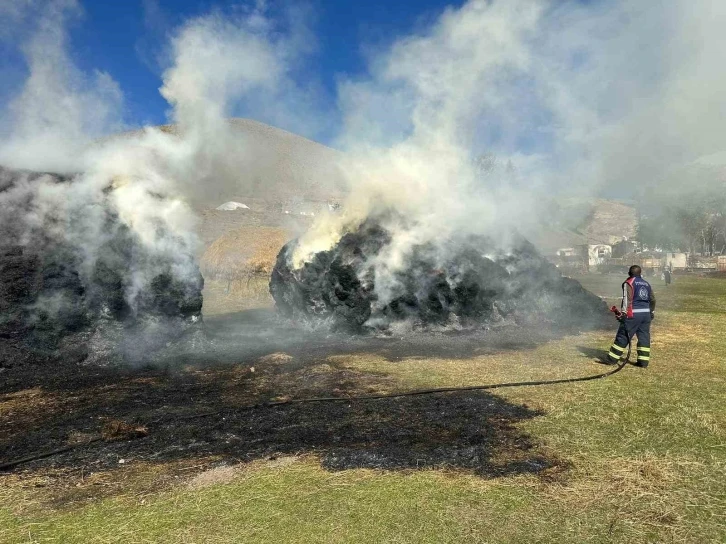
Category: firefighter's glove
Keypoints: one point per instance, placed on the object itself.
(652, 316)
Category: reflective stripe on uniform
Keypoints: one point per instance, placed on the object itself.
(616, 352)
(643, 354)
(641, 310)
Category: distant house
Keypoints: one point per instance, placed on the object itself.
(597, 254)
(676, 261)
(308, 208)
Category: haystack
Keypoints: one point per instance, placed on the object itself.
(519, 287)
(244, 253)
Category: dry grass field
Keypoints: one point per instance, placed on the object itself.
(237, 267)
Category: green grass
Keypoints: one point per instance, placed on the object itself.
(646, 452)
(302, 504)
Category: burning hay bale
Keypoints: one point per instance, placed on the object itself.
(70, 295)
(476, 284)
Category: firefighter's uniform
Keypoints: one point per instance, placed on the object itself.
(637, 307)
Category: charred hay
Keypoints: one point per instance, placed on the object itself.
(57, 303)
(477, 285)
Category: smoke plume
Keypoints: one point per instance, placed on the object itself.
(572, 98)
(120, 221)
(584, 99)
(56, 121)
(59, 109)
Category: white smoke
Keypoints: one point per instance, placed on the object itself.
(149, 178)
(634, 89)
(59, 109)
(411, 132)
(223, 65)
(584, 98)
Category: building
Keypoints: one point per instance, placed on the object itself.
(597, 254)
(675, 261)
(567, 252)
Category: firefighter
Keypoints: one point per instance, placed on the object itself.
(637, 310)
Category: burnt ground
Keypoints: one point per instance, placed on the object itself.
(201, 410)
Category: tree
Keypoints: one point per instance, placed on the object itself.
(692, 219)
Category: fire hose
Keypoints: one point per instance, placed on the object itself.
(270, 404)
(620, 365)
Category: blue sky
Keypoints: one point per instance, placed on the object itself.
(127, 39)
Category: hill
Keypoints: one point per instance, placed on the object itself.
(279, 167)
(610, 221)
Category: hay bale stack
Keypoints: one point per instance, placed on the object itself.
(244, 253)
(471, 284)
(62, 302)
